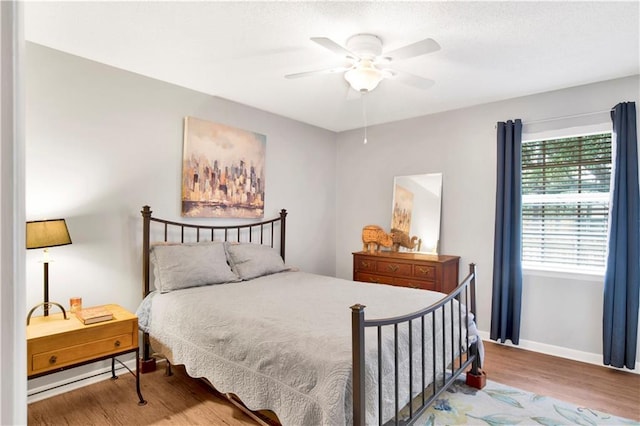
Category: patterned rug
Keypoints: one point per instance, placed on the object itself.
(499, 404)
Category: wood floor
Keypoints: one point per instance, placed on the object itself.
(597, 387)
(180, 400)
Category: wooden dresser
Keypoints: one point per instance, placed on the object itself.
(417, 270)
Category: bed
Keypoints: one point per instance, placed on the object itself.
(226, 306)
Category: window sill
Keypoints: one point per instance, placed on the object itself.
(545, 271)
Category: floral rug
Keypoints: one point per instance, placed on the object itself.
(499, 404)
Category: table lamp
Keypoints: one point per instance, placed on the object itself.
(45, 234)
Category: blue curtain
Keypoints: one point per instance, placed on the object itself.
(622, 277)
(507, 259)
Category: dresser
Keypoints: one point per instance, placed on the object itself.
(416, 270)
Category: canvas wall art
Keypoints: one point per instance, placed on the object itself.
(222, 171)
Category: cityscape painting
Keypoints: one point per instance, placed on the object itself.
(402, 209)
(222, 171)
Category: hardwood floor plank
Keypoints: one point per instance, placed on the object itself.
(598, 387)
(179, 399)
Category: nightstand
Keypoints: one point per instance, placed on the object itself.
(55, 344)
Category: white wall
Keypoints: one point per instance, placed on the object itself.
(461, 144)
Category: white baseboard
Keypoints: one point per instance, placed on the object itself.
(70, 383)
(561, 352)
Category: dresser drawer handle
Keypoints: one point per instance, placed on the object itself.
(365, 264)
(424, 271)
(117, 343)
(374, 280)
(412, 285)
(53, 359)
(393, 268)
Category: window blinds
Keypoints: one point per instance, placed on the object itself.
(565, 201)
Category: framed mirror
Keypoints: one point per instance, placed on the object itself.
(416, 206)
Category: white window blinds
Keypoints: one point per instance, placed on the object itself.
(565, 202)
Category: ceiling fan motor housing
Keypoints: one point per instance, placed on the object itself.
(365, 45)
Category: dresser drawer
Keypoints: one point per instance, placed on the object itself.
(364, 264)
(78, 353)
(423, 285)
(424, 272)
(395, 268)
(373, 278)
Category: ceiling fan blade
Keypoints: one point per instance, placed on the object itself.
(428, 45)
(412, 80)
(327, 43)
(317, 72)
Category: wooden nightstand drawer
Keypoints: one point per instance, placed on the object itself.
(74, 354)
(395, 268)
(82, 334)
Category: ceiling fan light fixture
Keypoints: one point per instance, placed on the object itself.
(364, 77)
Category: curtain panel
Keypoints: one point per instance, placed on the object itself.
(622, 276)
(507, 252)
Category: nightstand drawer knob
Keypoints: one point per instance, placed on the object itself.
(117, 343)
(53, 359)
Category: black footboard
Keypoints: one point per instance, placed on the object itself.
(456, 352)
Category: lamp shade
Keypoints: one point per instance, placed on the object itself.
(47, 233)
(365, 77)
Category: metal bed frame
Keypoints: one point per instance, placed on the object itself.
(264, 232)
(456, 364)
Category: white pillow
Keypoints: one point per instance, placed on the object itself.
(190, 265)
(254, 260)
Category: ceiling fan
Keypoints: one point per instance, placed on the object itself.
(367, 64)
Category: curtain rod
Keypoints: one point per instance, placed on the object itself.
(565, 117)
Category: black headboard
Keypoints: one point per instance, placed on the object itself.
(170, 231)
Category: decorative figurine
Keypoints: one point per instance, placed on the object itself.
(401, 238)
(373, 236)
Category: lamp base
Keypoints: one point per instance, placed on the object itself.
(46, 307)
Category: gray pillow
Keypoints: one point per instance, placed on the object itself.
(254, 260)
(190, 265)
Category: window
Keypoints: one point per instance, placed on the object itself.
(565, 202)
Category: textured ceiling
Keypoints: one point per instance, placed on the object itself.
(241, 50)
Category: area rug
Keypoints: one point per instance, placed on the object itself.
(498, 404)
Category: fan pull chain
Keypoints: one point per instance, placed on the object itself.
(364, 115)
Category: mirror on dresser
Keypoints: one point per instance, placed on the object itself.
(416, 211)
